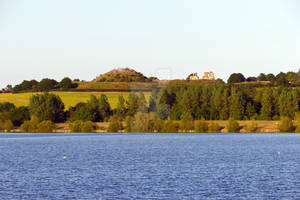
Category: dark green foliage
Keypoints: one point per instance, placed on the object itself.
(46, 127)
(121, 109)
(46, 85)
(201, 126)
(47, 107)
(104, 107)
(26, 86)
(7, 107)
(267, 110)
(262, 77)
(286, 125)
(132, 104)
(236, 78)
(281, 79)
(19, 115)
(251, 79)
(115, 125)
(232, 126)
(95, 110)
(65, 83)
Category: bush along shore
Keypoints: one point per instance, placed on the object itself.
(207, 108)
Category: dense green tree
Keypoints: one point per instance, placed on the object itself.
(267, 110)
(132, 104)
(46, 85)
(281, 79)
(288, 103)
(236, 78)
(142, 103)
(65, 83)
(237, 103)
(271, 77)
(19, 115)
(47, 107)
(262, 77)
(26, 86)
(121, 109)
(104, 107)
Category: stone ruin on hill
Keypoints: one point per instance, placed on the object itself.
(206, 76)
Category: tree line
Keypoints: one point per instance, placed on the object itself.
(206, 102)
(44, 85)
(281, 79)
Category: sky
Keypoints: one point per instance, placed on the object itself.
(169, 39)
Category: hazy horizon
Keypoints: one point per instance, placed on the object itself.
(168, 39)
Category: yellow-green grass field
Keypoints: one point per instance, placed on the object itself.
(69, 98)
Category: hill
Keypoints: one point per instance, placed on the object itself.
(122, 75)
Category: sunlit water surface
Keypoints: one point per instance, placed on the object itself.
(150, 166)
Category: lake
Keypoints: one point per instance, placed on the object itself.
(150, 166)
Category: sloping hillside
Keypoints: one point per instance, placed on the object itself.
(122, 75)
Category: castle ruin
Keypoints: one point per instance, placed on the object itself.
(206, 76)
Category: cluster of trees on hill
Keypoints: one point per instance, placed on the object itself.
(283, 79)
(44, 85)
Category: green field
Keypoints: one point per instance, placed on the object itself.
(69, 98)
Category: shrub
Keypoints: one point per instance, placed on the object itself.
(82, 126)
(297, 129)
(201, 126)
(251, 126)
(286, 125)
(214, 127)
(233, 126)
(140, 122)
(170, 127)
(187, 123)
(128, 124)
(88, 127)
(115, 125)
(45, 127)
(75, 126)
(8, 125)
(27, 127)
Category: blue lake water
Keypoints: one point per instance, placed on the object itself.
(150, 166)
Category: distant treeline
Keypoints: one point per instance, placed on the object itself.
(127, 79)
(281, 79)
(44, 85)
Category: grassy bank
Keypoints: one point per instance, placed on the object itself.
(262, 127)
(68, 98)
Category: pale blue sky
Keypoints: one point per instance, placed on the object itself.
(84, 38)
